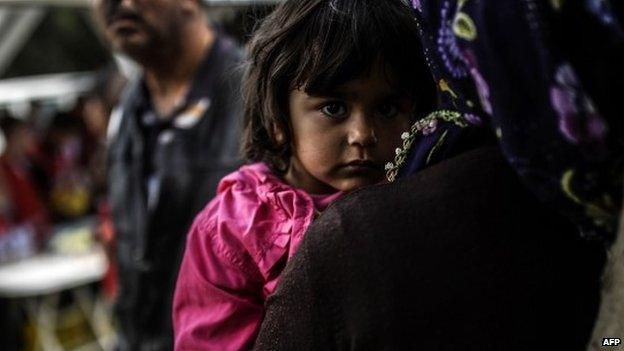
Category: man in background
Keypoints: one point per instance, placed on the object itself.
(171, 139)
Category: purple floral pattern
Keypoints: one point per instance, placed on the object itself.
(578, 120)
(482, 89)
(430, 127)
(501, 64)
(447, 44)
(473, 119)
(416, 5)
(602, 10)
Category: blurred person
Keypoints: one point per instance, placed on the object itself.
(71, 190)
(314, 130)
(5, 199)
(23, 202)
(172, 137)
(96, 111)
(23, 218)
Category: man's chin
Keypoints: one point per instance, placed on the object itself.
(133, 45)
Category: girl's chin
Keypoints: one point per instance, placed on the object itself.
(355, 183)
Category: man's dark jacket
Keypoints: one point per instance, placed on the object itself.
(189, 162)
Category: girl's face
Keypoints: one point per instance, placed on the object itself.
(341, 140)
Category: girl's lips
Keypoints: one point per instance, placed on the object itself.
(362, 165)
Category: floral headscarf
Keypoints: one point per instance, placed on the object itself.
(545, 76)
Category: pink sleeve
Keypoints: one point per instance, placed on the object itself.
(218, 299)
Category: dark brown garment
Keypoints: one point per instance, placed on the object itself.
(457, 257)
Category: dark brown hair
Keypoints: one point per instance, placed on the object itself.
(318, 45)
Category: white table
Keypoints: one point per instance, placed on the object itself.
(38, 281)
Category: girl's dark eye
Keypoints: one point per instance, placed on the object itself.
(388, 110)
(334, 109)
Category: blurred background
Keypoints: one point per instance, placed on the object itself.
(58, 84)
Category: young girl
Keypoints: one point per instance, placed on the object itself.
(329, 89)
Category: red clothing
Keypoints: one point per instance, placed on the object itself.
(236, 251)
(27, 205)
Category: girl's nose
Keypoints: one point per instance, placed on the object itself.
(362, 131)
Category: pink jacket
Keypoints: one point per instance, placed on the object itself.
(235, 253)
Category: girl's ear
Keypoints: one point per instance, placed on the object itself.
(278, 134)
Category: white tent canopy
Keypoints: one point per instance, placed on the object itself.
(61, 90)
(45, 87)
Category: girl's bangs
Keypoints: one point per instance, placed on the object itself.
(344, 40)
